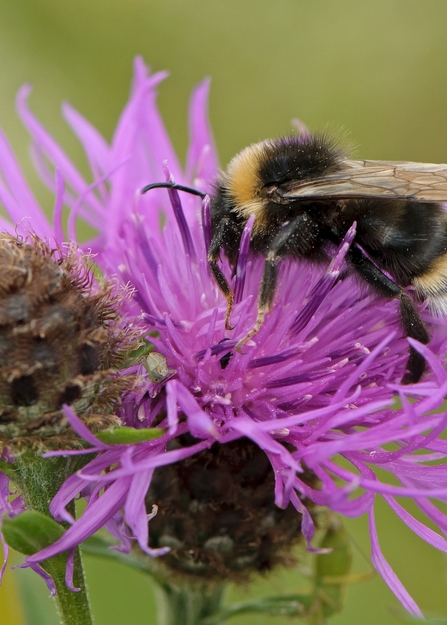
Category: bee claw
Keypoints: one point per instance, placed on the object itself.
(228, 325)
(255, 329)
(238, 347)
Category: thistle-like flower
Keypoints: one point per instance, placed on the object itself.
(252, 440)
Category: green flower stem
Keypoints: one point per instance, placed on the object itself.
(73, 607)
(39, 479)
(188, 604)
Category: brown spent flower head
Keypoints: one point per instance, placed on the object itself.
(62, 341)
(217, 513)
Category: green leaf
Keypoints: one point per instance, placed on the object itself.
(31, 531)
(127, 436)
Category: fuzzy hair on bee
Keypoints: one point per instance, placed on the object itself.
(305, 194)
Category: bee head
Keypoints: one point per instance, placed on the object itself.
(257, 176)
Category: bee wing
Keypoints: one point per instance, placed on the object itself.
(423, 182)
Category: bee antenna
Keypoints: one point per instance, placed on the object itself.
(173, 185)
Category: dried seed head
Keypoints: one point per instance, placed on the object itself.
(217, 513)
(62, 341)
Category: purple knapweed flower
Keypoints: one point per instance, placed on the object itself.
(317, 384)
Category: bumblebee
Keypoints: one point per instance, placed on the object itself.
(305, 194)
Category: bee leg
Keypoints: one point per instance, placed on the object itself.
(415, 328)
(298, 238)
(412, 324)
(265, 297)
(215, 248)
(225, 289)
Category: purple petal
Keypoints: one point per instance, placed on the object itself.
(95, 146)
(200, 425)
(50, 147)
(416, 526)
(136, 515)
(58, 204)
(20, 197)
(387, 572)
(92, 520)
(202, 161)
(82, 430)
(69, 572)
(5, 548)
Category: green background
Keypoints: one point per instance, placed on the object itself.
(375, 73)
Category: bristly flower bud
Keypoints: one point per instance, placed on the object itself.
(61, 342)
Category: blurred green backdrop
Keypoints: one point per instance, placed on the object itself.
(374, 70)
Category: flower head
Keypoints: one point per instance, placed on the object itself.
(62, 342)
(317, 383)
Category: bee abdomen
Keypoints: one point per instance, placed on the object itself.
(432, 285)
